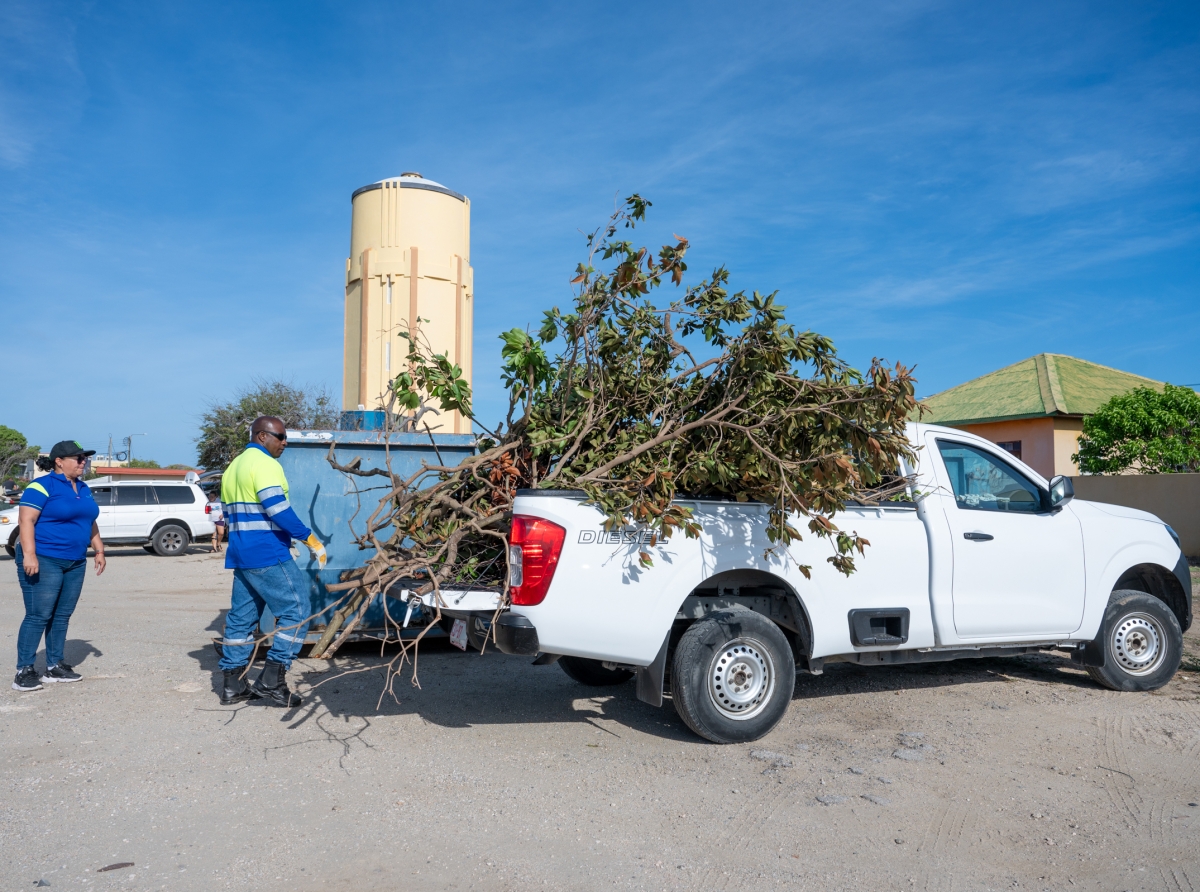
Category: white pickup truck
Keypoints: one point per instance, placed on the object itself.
(986, 559)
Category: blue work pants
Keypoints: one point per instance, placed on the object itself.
(50, 599)
(284, 588)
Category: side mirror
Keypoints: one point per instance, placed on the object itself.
(1061, 491)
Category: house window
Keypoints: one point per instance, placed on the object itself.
(1012, 447)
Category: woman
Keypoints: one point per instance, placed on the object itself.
(56, 522)
(217, 516)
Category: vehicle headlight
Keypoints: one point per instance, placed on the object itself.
(5, 520)
(1174, 535)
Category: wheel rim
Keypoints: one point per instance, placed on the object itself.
(171, 541)
(1137, 643)
(741, 679)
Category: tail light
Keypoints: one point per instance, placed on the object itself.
(534, 547)
(208, 509)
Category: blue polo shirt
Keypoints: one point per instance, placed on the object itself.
(64, 528)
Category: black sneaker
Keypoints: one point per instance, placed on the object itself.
(27, 680)
(60, 672)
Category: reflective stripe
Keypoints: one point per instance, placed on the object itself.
(243, 526)
(244, 508)
(248, 518)
(288, 637)
(283, 505)
(270, 492)
(235, 642)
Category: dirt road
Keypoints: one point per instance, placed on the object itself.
(501, 775)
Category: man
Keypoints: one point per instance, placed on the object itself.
(261, 526)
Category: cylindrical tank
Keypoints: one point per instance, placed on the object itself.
(409, 268)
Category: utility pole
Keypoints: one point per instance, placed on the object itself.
(129, 446)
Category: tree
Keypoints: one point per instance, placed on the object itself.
(225, 427)
(15, 451)
(143, 463)
(711, 394)
(1145, 430)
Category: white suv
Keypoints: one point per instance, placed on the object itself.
(162, 517)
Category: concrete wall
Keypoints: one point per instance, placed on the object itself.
(1173, 497)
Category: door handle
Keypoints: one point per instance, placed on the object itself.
(979, 537)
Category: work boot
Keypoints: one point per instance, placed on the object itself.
(235, 688)
(272, 686)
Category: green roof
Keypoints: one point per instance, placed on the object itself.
(1043, 385)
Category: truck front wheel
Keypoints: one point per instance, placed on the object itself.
(733, 676)
(593, 673)
(1142, 641)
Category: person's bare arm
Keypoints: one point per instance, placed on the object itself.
(98, 547)
(26, 518)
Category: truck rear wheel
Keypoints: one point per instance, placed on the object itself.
(170, 540)
(1143, 643)
(733, 676)
(593, 673)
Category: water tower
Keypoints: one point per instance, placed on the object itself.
(410, 259)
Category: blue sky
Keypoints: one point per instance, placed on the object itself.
(953, 185)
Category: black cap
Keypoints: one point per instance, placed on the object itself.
(66, 448)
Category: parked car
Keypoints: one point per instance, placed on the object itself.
(210, 482)
(8, 530)
(162, 517)
(985, 558)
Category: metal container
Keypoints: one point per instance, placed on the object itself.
(336, 506)
(354, 420)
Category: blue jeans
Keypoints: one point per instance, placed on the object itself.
(282, 587)
(50, 599)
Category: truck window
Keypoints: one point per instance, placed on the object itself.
(102, 495)
(984, 483)
(133, 495)
(175, 495)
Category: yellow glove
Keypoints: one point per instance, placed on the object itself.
(318, 550)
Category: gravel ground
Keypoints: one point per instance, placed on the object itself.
(990, 774)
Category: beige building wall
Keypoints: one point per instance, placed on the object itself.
(410, 260)
(1047, 444)
(1066, 444)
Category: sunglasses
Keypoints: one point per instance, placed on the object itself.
(79, 458)
(282, 438)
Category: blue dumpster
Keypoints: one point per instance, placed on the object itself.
(336, 506)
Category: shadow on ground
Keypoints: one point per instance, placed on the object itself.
(460, 690)
(850, 678)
